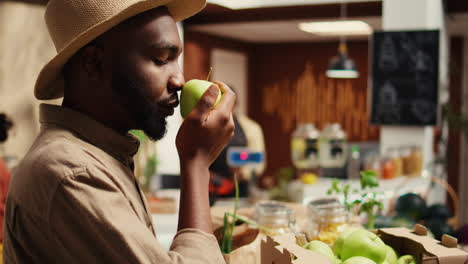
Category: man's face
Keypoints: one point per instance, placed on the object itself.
(143, 68)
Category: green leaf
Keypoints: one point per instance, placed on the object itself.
(369, 179)
(151, 166)
(140, 135)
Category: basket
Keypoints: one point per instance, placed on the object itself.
(453, 221)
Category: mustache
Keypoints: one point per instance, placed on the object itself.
(170, 99)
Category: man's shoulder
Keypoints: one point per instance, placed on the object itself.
(56, 151)
(54, 156)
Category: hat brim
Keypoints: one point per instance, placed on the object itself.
(50, 82)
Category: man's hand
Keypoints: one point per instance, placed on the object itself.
(201, 138)
(207, 130)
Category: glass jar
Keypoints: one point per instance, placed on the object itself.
(397, 161)
(417, 160)
(408, 167)
(275, 216)
(328, 219)
(304, 147)
(388, 167)
(333, 147)
(372, 163)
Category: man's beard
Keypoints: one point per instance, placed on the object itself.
(145, 113)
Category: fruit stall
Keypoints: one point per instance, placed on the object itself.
(346, 222)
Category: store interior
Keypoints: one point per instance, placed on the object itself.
(401, 115)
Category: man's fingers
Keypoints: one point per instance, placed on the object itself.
(207, 101)
(228, 100)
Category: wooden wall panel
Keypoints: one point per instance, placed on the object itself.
(456, 101)
(288, 86)
(197, 52)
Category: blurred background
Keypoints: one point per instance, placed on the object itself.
(325, 89)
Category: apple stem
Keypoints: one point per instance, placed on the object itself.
(209, 74)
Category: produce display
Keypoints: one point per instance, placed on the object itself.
(359, 246)
(412, 206)
(411, 209)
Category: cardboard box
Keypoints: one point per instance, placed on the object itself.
(426, 250)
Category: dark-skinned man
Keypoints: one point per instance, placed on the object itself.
(74, 197)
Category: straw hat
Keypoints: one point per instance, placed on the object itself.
(74, 23)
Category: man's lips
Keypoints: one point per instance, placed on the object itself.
(173, 104)
(168, 109)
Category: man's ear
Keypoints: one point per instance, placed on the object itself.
(92, 62)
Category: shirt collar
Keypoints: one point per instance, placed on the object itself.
(115, 144)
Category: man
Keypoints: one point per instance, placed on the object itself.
(74, 198)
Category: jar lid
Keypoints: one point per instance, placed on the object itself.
(272, 208)
(327, 206)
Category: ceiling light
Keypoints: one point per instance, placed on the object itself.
(245, 4)
(342, 66)
(336, 28)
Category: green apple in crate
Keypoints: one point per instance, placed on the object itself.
(365, 244)
(358, 260)
(321, 248)
(191, 94)
(391, 256)
(406, 259)
(338, 245)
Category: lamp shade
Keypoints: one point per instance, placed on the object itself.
(341, 66)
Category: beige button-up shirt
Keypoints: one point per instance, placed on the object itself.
(74, 199)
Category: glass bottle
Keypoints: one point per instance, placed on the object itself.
(275, 216)
(354, 163)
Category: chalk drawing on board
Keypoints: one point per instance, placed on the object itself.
(389, 114)
(424, 88)
(388, 94)
(422, 62)
(388, 108)
(407, 44)
(424, 110)
(388, 59)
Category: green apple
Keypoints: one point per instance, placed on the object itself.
(365, 244)
(321, 248)
(391, 256)
(191, 94)
(406, 259)
(338, 245)
(359, 260)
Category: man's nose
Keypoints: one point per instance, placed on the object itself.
(177, 80)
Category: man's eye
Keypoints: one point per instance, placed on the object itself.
(160, 62)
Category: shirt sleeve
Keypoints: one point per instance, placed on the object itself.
(93, 222)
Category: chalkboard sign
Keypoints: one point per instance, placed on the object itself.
(405, 78)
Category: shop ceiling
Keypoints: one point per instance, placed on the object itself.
(280, 23)
(274, 21)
